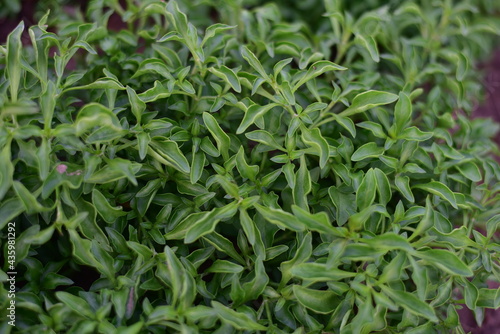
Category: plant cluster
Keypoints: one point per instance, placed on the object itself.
(245, 166)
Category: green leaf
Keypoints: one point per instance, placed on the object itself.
(319, 301)
(402, 112)
(403, 185)
(137, 105)
(383, 186)
(470, 171)
(446, 261)
(411, 303)
(302, 185)
(252, 114)
(95, 115)
(170, 152)
(246, 171)
(368, 150)
(209, 222)
(302, 254)
(179, 19)
(316, 272)
(214, 30)
(414, 133)
(317, 69)
(107, 212)
(197, 166)
(491, 225)
(13, 66)
(368, 100)
(345, 204)
(375, 128)
(237, 320)
(365, 195)
(279, 66)
(76, 304)
(251, 59)
(281, 218)
(226, 267)
(318, 222)
(153, 66)
(265, 138)
(314, 139)
(370, 44)
(357, 221)
(390, 241)
(102, 83)
(228, 75)
(10, 209)
(439, 189)
(462, 66)
(221, 138)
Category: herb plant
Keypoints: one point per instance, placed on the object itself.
(245, 166)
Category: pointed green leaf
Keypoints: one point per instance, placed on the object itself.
(228, 75)
(439, 189)
(411, 303)
(368, 100)
(221, 138)
(319, 301)
(368, 150)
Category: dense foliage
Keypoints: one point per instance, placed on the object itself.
(250, 166)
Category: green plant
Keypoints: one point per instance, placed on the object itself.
(240, 172)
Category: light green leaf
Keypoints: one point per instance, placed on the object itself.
(319, 301)
(246, 171)
(228, 75)
(281, 218)
(403, 185)
(446, 261)
(390, 241)
(370, 44)
(317, 69)
(237, 320)
(470, 171)
(107, 212)
(317, 272)
(76, 304)
(253, 112)
(368, 150)
(226, 267)
(250, 57)
(368, 100)
(221, 138)
(214, 30)
(365, 195)
(383, 186)
(302, 185)
(375, 128)
(136, 104)
(411, 303)
(439, 189)
(318, 222)
(197, 166)
(171, 153)
(315, 139)
(209, 222)
(345, 204)
(414, 133)
(14, 47)
(402, 112)
(462, 66)
(265, 138)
